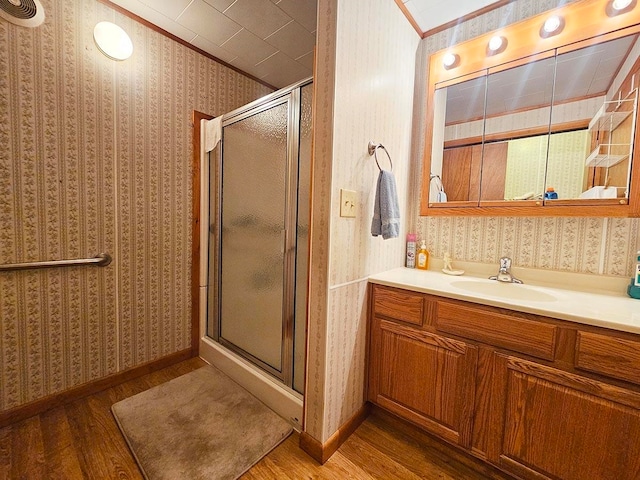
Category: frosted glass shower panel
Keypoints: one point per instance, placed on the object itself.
(254, 187)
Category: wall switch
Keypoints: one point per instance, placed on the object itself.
(347, 203)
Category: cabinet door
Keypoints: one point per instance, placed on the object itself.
(424, 378)
(564, 426)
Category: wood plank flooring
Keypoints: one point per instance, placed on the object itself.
(82, 441)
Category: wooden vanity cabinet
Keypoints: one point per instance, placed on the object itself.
(418, 375)
(538, 398)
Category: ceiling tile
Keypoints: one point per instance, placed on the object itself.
(258, 16)
(209, 23)
(306, 60)
(157, 19)
(302, 11)
(213, 49)
(220, 5)
(251, 48)
(293, 40)
(282, 70)
(169, 8)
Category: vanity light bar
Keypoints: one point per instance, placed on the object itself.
(551, 26)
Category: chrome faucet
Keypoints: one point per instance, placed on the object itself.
(504, 274)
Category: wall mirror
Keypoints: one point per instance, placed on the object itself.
(549, 129)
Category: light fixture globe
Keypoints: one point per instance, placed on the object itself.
(495, 43)
(113, 41)
(450, 60)
(620, 4)
(551, 24)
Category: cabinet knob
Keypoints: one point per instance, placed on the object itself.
(623, 202)
(538, 203)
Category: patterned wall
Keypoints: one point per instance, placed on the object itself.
(369, 54)
(96, 157)
(584, 245)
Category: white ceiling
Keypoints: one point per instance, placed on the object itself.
(430, 14)
(272, 40)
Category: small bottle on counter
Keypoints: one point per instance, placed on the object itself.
(551, 194)
(423, 257)
(411, 250)
(633, 290)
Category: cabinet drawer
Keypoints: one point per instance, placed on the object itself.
(513, 333)
(615, 357)
(398, 304)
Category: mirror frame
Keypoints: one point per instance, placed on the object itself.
(586, 22)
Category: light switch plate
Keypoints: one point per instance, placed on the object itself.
(347, 203)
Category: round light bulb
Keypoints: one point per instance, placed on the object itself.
(495, 43)
(620, 4)
(113, 41)
(551, 24)
(449, 60)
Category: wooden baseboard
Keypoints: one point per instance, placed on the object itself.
(321, 452)
(41, 405)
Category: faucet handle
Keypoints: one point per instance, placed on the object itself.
(505, 263)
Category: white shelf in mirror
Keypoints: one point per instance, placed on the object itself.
(599, 159)
(608, 121)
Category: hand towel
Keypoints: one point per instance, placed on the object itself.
(386, 214)
(212, 133)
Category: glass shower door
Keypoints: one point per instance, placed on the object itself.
(257, 246)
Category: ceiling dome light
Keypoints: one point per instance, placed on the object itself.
(450, 60)
(620, 4)
(552, 24)
(113, 41)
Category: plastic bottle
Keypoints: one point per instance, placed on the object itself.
(423, 257)
(411, 250)
(551, 194)
(633, 290)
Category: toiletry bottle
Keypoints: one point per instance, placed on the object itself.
(633, 290)
(423, 257)
(551, 194)
(411, 250)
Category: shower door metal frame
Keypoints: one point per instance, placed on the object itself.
(291, 96)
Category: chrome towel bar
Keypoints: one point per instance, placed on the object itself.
(100, 260)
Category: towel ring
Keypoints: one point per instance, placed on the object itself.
(373, 148)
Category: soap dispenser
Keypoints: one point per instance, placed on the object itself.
(423, 257)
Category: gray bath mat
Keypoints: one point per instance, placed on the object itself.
(201, 425)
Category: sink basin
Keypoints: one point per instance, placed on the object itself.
(507, 291)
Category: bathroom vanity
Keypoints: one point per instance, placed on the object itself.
(540, 382)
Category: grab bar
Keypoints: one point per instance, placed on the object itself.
(100, 260)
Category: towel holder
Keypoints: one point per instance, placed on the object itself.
(373, 148)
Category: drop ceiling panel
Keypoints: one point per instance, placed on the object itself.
(208, 22)
(213, 49)
(293, 39)
(281, 69)
(249, 47)
(261, 17)
(169, 8)
(302, 11)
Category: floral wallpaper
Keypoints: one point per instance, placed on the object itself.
(96, 157)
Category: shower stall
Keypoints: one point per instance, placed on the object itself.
(258, 236)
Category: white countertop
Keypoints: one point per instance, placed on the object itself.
(609, 310)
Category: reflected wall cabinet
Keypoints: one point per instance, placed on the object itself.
(523, 121)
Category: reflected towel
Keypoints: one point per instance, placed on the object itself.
(386, 214)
